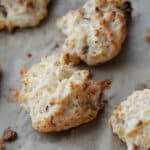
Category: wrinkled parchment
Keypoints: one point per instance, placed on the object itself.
(129, 71)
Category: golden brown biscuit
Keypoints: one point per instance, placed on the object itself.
(95, 32)
(21, 13)
(131, 120)
(58, 96)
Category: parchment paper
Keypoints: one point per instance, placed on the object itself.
(128, 71)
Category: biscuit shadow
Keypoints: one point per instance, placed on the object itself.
(117, 143)
(51, 8)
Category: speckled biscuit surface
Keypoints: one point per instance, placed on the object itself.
(95, 32)
(21, 13)
(131, 120)
(58, 96)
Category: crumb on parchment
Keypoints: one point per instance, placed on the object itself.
(9, 135)
(2, 143)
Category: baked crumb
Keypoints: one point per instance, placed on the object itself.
(29, 55)
(9, 135)
(2, 143)
(147, 37)
(106, 83)
(56, 45)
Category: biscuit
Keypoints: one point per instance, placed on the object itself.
(58, 96)
(22, 13)
(131, 121)
(95, 33)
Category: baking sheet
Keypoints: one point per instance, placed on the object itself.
(129, 71)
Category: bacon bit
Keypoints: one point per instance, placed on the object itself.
(97, 32)
(23, 71)
(85, 49)
(139, 123)
(9, 135)
(85, 85)
(97, 9)
(106, 84)
(67, 58)
(46, 108)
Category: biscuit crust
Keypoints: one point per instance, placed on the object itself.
(131, 121)
(95, 33)
(58, 96)
(22, 13)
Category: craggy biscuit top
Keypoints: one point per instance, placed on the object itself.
(58, 96)
(131, 120)
(21, 13)
(95, 32)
